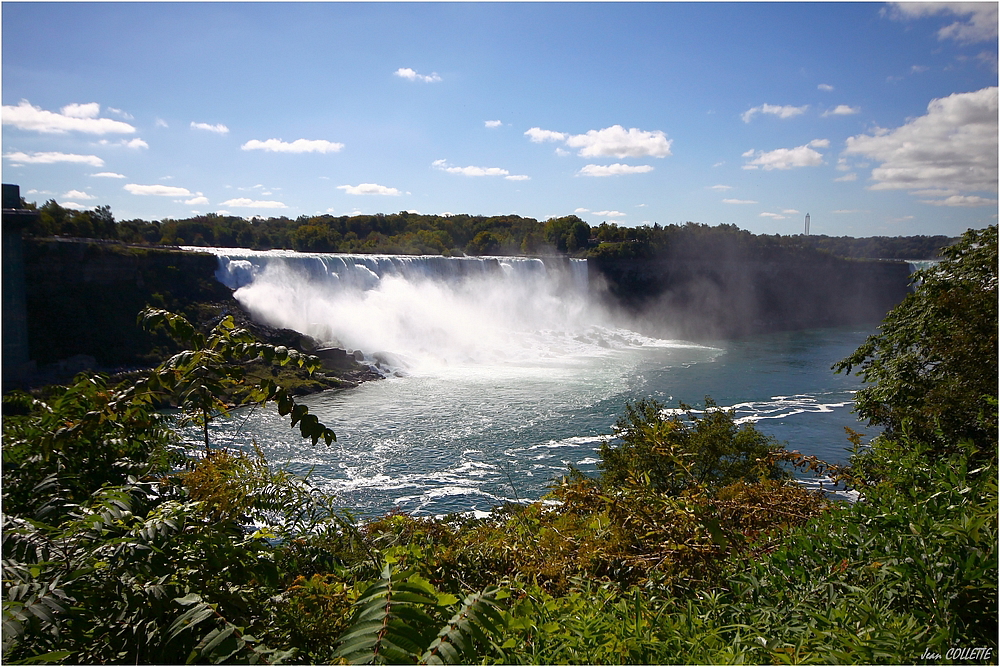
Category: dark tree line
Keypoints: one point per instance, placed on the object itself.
(414, 233)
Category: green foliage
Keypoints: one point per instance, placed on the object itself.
(932, 368)
(65, 445)
(674, 453)
(202, 380)
(396, 621)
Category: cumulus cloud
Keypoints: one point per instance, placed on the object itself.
(614, 169)
(786, 111)
(952, 147)
(107, 174)
(297, 146)
(610, 214)
(846, 178)
(244, 202)
(218, 129)
(52, 157)
(978, 19)
(127, 143)
(493, 123)
(157, 190)
(842, 110)
(78, 194)
(73, 118)
(369, 189)
(787, 158)
(197, 201)
(91, 110)
(825, 86)
(538, 135)
(738, 201)
(412, 75)
(614, 141)
(477, 171)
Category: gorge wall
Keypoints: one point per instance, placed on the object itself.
(83, 298)
(724, 297)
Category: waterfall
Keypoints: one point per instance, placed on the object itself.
(424, 311)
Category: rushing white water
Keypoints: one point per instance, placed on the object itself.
(505, 372)
(427, 312)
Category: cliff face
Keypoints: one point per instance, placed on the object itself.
(83, 298)
(727, 297)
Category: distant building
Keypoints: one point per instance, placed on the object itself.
(807, 224)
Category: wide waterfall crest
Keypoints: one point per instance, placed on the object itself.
(428, 311)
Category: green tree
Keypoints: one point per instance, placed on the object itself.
(484, 243)
(674, 452)
(932, 367)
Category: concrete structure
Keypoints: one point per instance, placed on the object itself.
(17, 366)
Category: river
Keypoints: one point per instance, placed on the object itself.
(501, 373)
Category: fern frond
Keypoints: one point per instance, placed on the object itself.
(477, 619)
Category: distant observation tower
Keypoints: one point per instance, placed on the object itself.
(807, 224)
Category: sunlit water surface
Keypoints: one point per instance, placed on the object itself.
(469, 437)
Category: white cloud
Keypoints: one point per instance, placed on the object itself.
(518, 177)
(297, 146)
(412, 75)
(369, 189)
(476, 171)
(218, 129)
(538, 135)
(610, 214)
(952, 147)
(790, 211)
(27, 117)
(788, 158)
(161, 123)
(197, 201)
(842, 110)
(582, 210)
(786, 111)
(51, 157)
(825, 86)
(846, 178)
(720, 188)
(127, 143)
(493, 123)
(961, 200)
(614, 169)
(243, 202)
(980, 18)
(739, 201)
(74, 205)
(614, 141)
(775, 216)
(91, 110)
(158, 190)
(78, 194)
(107, 174)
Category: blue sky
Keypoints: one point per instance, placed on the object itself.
(877, 119)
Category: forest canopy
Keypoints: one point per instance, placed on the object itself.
(408, 233)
